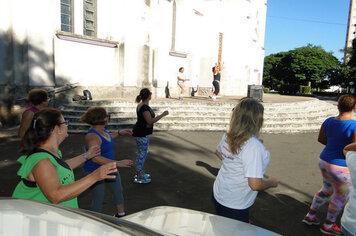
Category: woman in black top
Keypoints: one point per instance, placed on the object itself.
(216, 82)
(144, 127)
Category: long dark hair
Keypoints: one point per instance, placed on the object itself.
(144, 94)
(40, 130)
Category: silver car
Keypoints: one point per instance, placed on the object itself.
(19, 217)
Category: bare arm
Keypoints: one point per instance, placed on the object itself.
(150, 120)
(262, 183)
(45, 174)
(350, 147)
(218, 154)
(121, 133)
(93, 140)
(25, 123)
(78, 160)
(322, 136)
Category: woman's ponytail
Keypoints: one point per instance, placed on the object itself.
(40, 129)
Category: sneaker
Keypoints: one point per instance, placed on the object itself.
(119, 216)
(309, 221)
(334, 230)
(144, 175)
(142, 180)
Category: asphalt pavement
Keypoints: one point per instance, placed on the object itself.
(183, 167)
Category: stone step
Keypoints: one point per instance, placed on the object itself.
(267, 115)
(294, 117)
(74, 120)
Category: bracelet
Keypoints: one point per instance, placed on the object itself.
(85, 156)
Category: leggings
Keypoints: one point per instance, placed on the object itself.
(336, 180)
(98, 192)
(142, 147)
(216, 87)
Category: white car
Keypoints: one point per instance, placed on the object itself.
(20, 217)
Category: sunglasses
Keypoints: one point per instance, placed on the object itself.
(64, 122)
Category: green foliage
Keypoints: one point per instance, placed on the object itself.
(305, 89)
(266, 90)
(290, 89)
(301, 66)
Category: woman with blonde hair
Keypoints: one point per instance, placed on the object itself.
(98, 118)
(244, 162)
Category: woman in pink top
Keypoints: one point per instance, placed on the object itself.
(38, 99)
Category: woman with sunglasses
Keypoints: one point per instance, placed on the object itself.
(45, 176)
(97, 135)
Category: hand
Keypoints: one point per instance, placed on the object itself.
(273, 181)
(104, 171)
(124, 163)
(165, 113)
(93, 151)
(125, 131)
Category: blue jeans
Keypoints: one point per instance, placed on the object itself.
(236, 214)
(98, 192)
(346, 232)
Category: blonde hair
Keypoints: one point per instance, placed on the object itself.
(246, 121)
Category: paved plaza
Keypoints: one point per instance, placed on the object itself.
(183, 167)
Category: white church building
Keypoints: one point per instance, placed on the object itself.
(116, 47)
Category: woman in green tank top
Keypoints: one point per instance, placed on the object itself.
(44, 175)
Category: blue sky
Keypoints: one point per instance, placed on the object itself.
(295, 23)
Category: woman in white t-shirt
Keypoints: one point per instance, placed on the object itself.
(244, 161)
(348, 219)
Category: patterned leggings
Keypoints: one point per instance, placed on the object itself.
(142, 147)
(336, 180)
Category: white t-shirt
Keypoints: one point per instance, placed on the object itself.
(182, 76)
(348, 219)
(231, 187)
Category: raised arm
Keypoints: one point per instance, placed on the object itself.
(46, 177)
(78, 160)
(150, 120)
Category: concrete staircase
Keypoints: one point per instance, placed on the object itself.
(292, 117)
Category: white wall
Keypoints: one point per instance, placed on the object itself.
(145, 36)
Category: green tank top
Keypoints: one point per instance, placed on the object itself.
(25, 191)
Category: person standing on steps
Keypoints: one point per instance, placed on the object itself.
(216, 82)
(244, 162)
(335, 133)
(97, 135)
(144, 127)
(181, 79)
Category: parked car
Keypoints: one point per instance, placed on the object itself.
(19, 217)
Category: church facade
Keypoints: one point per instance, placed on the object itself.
(116, 47)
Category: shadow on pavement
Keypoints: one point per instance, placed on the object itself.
(183, 167)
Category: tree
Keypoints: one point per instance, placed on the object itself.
(301, 66)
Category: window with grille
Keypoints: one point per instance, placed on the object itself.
(67, 15)
(89, 28)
